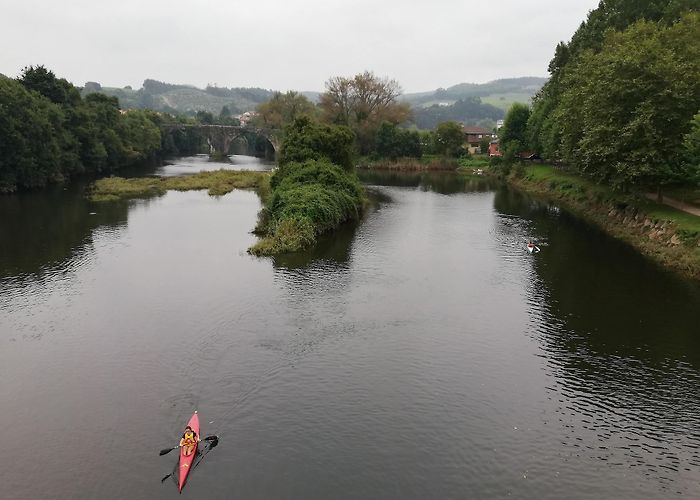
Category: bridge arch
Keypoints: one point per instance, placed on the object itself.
(220, 137)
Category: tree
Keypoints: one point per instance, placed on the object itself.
(625, 110)
(44, 81)
(544, 131)
(282, 109)
(363, 103)
(513, 135)
(394, 142)
(305, 139)
(205, 117)
(691, 151)
(30, 154)
(50, 133)
(484, 144)
(449, 139)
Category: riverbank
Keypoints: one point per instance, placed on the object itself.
(217, 183)
(669, 236)
(470, 165)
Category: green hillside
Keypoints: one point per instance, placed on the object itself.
(500, 93)
(183, 98)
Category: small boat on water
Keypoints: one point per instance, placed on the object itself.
(186, 460)
(532, 248)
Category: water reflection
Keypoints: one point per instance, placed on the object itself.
(422, 353)
(621, 341)
(47, 229)
(202, 163)
(439, 182)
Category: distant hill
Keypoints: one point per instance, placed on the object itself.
(183, 98)
(471, 103)
(499, 93)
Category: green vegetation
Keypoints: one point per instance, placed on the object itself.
(283, 109)
(307, 199)
(306, 139)
(670, 236)
(217, 183)
(393, 142)
(507, 88)
(506, 100)
(449, 139)
(425, 162)
(513, 135)
(474, 162)
(49, 133)
(621, 112)
(478, 104)
(310, 194)
(467, 110)
(187, 99)
(623, 94)
(362, 103)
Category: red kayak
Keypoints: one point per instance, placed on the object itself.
(186, 461)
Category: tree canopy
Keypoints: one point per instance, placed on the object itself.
(305, 139)
(50, 133)
(282, 109)
(513, 135)
(622, 93)
(362, 103)
(449, 138)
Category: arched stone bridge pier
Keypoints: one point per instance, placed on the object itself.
(220, 137)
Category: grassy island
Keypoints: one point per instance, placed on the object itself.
(217, 183)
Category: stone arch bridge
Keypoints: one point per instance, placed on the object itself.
(220, 137)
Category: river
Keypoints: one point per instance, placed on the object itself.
(422, 353)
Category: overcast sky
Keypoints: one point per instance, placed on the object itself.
(285, 44)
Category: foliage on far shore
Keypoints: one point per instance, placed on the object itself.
(217, 183)
(622, 96)
(50, 133)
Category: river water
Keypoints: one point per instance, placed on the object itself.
(422, 353)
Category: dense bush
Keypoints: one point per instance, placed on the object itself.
(306, 139)
(308, 199)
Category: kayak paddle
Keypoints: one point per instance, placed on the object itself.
(168, 450)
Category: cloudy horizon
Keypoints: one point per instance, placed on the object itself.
(286, 45)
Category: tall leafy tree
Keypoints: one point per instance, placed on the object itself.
(283, 109)
(513, 136)
(394, 142)
(305, 139)
(625, 109)
(362, 103)
(449, 139)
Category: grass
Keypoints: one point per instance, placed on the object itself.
(426, 162)
(670, 236)
(506, 100)
(473, 163)
(217, 183)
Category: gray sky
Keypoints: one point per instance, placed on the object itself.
(285, 44)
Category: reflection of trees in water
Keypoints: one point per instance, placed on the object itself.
(50, 227)
(620, 337)
(333, 248)
(439, 182)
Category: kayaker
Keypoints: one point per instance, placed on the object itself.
(189, 441)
